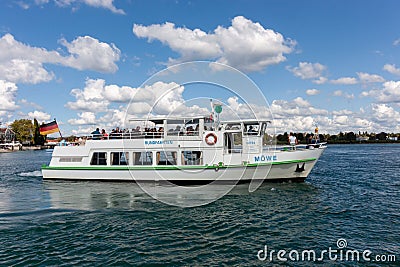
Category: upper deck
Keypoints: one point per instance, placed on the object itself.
(185, 128)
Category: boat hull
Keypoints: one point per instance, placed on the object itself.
(296, 170)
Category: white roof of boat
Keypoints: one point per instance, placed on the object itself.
(246, 121)
(160, 120)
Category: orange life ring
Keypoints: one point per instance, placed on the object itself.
(211, 141)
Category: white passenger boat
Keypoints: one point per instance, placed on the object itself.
(184, 151)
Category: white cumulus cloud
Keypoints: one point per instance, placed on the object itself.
(386, 115)
(245, 45)
(390, 93)
(345, 80)
(106, 4)
(85, 118)
(312, 91)
(25, 71)
(91, 98)
(162, 99)
(306, 70)
(22, 63)
(89, 53)
(8, 92)
(369, 78)
(296, 107)
(40, 116)
(391, 68)
(343, 94)
(158, 98)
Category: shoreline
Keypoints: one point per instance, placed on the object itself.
(25, 148)
(351, 143)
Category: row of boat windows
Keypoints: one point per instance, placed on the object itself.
(146, 158)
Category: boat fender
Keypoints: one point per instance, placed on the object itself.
(211, 139)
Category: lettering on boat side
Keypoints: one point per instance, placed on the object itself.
(158, 142)
(265, 158)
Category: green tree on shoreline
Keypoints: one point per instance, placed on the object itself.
(23, 130)
(38, 139)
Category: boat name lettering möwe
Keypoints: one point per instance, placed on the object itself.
(265, 158)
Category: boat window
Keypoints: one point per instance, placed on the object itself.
(263, 127)
(166, 158)
(192, 158)
(99, 158)
(252, 129)
(119, 158)
(233, 142)
(233, 126)
(175, 129)
(70, 159)
(142, 158)
(183, 129)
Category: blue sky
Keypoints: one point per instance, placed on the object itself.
(331, 63)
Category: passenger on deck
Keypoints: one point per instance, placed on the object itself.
(160, 132)
(104, 135)
(115, 133)
(292, 139)
(189, 130)
(309, 139)
(96, 134)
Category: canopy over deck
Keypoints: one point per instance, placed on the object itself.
(177, 120)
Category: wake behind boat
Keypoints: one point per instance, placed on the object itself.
(184, 151)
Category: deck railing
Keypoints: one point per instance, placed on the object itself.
(140, 135)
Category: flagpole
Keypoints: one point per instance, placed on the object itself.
(58, 128)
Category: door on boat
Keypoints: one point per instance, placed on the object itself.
(228, 143)
(232, 148)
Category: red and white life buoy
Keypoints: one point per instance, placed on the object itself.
(211, 139)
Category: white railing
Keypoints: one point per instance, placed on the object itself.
(139, 135)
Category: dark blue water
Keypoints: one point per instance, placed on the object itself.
(353, 193)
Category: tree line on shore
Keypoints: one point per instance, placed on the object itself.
(344, 138)
(28, 132)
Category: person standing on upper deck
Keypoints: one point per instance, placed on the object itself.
(292, 139)
(96, 134)
(104, 135)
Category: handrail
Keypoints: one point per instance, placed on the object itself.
(139, 135)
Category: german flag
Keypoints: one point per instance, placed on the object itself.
(49, 128)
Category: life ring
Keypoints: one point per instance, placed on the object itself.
(211, 139)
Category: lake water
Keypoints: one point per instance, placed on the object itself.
(350, 201)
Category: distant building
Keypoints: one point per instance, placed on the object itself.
(6, 135)
(362, 138)
(392, 138)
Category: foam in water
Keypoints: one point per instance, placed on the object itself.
(33, 173)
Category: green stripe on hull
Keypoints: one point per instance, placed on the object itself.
(124, 168)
